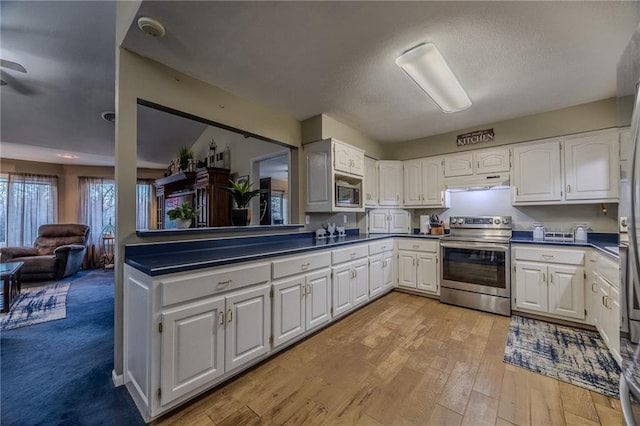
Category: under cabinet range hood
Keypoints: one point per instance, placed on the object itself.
(471, 183)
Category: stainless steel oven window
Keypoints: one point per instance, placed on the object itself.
(486, 267)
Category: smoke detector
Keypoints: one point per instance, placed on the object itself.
(151, 26)
(109, 116)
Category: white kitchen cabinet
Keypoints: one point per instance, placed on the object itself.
(537, 172)
(389, 221)
(350, 286)
(606, 278)
(550, 281)
(626, 144)
(376, 277)
(423, 183)
(370, 182)
(418, 265)
(192, 347)
(329, 160)
(381, 267)
(300, 304)
(390, 183)
(482, 161)
(592, 166)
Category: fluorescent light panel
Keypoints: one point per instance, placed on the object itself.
(426, 66)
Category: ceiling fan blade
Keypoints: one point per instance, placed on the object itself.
(12, 65)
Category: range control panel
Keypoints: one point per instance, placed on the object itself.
(480, 222)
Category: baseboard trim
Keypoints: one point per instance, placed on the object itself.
(117, 379)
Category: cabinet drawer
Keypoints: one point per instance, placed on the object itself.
(181, 287)
(549, 255)
(350, 253)
(418, 245)
(380, 247)
(608, 269)
(300, 264)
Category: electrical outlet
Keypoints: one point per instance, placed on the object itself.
(307, 219)
(345, 218)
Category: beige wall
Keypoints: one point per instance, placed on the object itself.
(581, 118)
(68, 199)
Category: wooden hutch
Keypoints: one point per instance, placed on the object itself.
(203, 189)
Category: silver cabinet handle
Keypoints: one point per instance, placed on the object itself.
(568, 188)
(354, 254)
(229, 315)
(221, 316)
(551, 278)
(546, 256)
(415, 246)
(544, 277)
(594, 287)
(309, 288)
(305, 265)
(227, 282)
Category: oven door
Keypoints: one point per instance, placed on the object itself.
(477, 267)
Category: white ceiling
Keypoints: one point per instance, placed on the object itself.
(306, 58)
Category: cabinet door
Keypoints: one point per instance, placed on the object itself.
(389, 183)
(192, 347)
(432, 182)
(398, 221)
(613, 305)
(370, 182)
(288, 310)
(531, 286)
(376, 275)
(388, 270)
(603, 312)
(407, 269)
(592, 167)
(427, 272)
(341, 157)
(566, 291)
(248, 326)
(412, 171)
(319, 191)
(341, 285)
(536, 172)
(357, 162)
(379, 221)
(492, 160)
(318, 298)
(458, 164)
(360, 281)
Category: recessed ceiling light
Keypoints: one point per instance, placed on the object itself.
(67, 156)
(109, 116)
(151, 26)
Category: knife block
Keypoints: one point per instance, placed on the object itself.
(438, 230)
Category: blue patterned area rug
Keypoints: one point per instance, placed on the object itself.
(572, 355)
(37, 305)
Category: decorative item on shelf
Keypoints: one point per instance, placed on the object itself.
(108, 246)
(184, 155)
(581, 233)
(183, 215)
(330, 228)
(341, 231)
(242, 194)
(211, 159)
(192, 165)
(538, 231)
(321, 234)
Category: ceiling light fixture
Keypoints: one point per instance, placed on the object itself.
(426, 66)
(67, 156)
(151, 26)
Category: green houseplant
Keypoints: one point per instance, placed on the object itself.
(242, 195)
(183, 215)
(184, 155)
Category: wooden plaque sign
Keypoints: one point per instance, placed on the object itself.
(475, 137)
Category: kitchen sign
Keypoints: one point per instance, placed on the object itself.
(475, 137)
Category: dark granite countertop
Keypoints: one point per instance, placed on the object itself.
(604, 242)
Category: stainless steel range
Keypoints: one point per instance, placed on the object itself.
(475, 271)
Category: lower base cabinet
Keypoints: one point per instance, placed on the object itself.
(381, 277)
(418, 265)
(300, 304)
(350, 286)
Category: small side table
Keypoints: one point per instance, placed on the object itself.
(11, 276)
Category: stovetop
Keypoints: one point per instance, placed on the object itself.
(480, 228)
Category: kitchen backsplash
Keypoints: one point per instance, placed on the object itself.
(498, 202)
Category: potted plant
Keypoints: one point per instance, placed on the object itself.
(183, 215)
(242, 195)
(184, 155)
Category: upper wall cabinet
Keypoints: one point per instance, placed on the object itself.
(347, 159)
(625, 144)
(576, 169)
(370, 182)
(477, 162)
(390, 183)
(327, 161)
(592, 167)
(423, 183)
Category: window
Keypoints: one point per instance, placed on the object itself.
(26, 202)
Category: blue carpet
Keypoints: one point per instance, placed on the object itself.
(573, 355)
(59, 372)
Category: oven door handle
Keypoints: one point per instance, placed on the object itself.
(475, 246)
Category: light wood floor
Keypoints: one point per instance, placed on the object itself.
(402, 360)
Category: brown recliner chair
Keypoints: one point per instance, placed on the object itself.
(57, 252)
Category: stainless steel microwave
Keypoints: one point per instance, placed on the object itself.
(347, 194)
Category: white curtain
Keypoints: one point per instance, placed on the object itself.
(92, 212)
(32, 200)
(145, 205)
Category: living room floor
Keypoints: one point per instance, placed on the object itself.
(402, 359)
